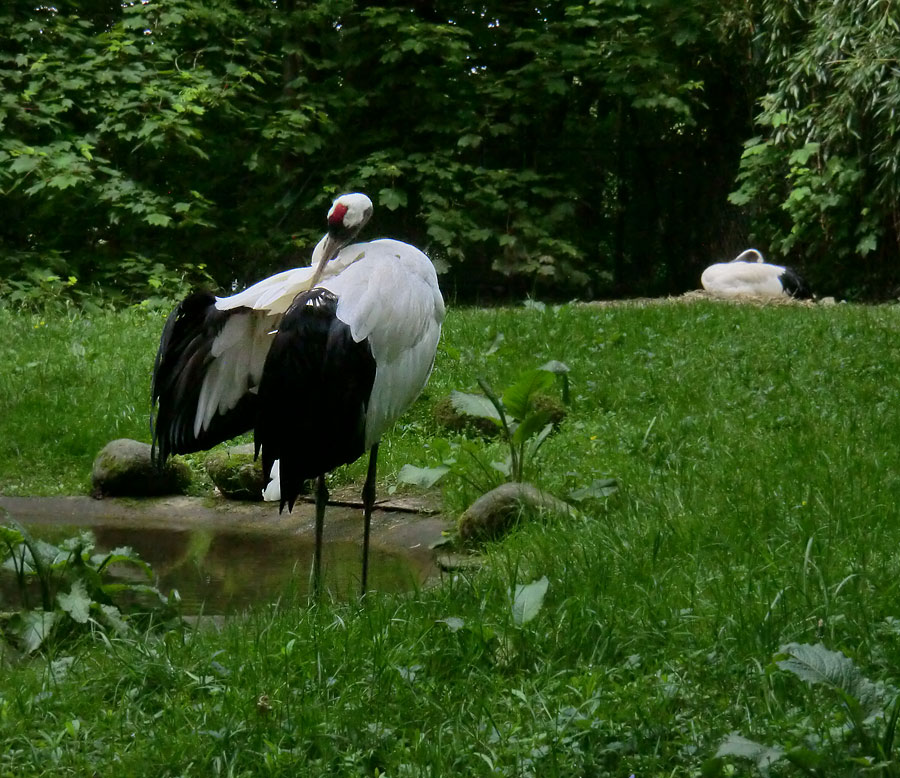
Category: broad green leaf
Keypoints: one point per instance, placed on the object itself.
(504, 467)
(753, 149)
(63, 181)
(24, 164)
(740, 197)
(474, 405)
(517, 398)
(530, 426)
(440, 234)
(816, 664)
(122, 555)
(111, 589)
(10, 534)
(495, 344)
(739, 746)
(801, 156)
(424, 477)
(556, 85)
(867, 244)
(76, 603)
(392, 199)
(528, 600)
(59, 668)
(110, 615)
(554, 366)
(805, 758)
(158, 219)
(469, 140)
(779, 118)
(32, 628)
(597, 489)
(133, 21)
(798, 194)
(47, 554)
(535, 443)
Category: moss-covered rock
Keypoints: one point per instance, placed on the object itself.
(236, 473)
(124, 468)
(494, 514)
(451, 419)
(550, 405)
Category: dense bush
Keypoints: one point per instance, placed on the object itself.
(552, 149)
(525, 148)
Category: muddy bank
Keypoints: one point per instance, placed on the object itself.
(401, 524)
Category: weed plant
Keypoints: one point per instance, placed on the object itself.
(758, 463)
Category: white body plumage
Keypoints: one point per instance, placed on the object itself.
(748, 275)
(387, 292)
(319, 361)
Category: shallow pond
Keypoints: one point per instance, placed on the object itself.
(223, 566)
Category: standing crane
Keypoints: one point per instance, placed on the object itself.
(319, 361)
(749, 275)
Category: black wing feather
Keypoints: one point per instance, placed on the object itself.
(182, 360)
(794, 285)
(314, 394)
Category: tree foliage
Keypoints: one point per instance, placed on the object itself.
(526, 147)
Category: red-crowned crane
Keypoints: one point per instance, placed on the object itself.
(749, 275)
(319, 361)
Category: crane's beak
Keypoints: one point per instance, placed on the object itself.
(327, 250)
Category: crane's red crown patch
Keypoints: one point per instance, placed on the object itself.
(336, 217)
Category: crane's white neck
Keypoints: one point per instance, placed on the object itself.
(750, 255)
(318, 252)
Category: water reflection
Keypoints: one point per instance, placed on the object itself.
(224, 571)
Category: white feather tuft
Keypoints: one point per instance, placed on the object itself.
(272, 492)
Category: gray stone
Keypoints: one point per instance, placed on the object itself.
(124, 469)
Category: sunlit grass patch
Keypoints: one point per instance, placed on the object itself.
(756, 454)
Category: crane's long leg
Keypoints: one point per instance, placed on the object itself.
(321, 502)
(368, 497)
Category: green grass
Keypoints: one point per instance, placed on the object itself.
(759, 467)
(69, 384)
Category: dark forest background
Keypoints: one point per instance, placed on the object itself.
(605, 149)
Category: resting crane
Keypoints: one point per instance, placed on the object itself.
(749, 275)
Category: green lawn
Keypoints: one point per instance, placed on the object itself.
(757, 451)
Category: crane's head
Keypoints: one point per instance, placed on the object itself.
(347, 216)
